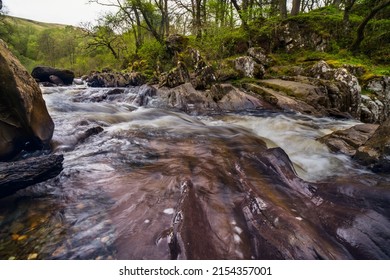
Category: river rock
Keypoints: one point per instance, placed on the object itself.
(20, 174)
(349, 140)
(375, 153)
(59, 76)
(115, 79)
(221, 97)
(24, 120)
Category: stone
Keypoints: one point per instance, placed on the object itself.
(115, 79)
(293, 36)
(349, 140)
(175, 77)
(375, 153)
(24, 120)
(259, 55)
(343, 88)
(42, 74)
(176, 43)
(248, 67)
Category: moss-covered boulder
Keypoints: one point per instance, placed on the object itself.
(24, 120)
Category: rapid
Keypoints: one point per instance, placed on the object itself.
(147, 182)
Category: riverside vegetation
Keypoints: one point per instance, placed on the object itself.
(199, 130)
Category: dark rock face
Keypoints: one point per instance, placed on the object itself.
(293, 36)
(375, 153)
(114, 79)
(23, 173)
(176, 43)
(349, 140)
(24, 120)
(58, 76)
(343, 88)
(221, 97)
(175, 77)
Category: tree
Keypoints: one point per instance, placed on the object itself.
(102, 35)
(296, 5)
(380, 5)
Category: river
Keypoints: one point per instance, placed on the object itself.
(145, 182)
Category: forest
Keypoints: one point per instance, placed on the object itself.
(134, 38)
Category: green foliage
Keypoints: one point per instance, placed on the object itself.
(153, 53)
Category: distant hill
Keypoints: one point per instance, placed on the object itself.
(40, 43)
(32, 23)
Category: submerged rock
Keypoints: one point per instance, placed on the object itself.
(24, 120)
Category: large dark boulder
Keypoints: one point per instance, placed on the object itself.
(24, 120)
(52, 75)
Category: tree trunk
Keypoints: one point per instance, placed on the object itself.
(360, 31)
(20, 174)
(241, 14)
(296, 5)
(283, 8)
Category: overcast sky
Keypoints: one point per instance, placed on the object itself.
(70, 12)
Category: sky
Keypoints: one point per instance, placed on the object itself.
(71, 12)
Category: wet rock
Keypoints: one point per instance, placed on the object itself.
(295, 96)
(20, 174)
(62, 76)
(248, 67)
(221, 97)
(115, 79)
(24, 120)
(175, 77)
(348, 141)
(375, 153)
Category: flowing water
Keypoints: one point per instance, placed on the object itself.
(133, 174)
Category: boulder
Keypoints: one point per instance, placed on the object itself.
(294, 36)
(220, 97)
(24, 120)
(176, 43)
(375, 153)
(349, 140)
(259, 55)
(115, 79)
(343, 88)
(372, 110)
(248, 67)
(175, 77)
(62, 76)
